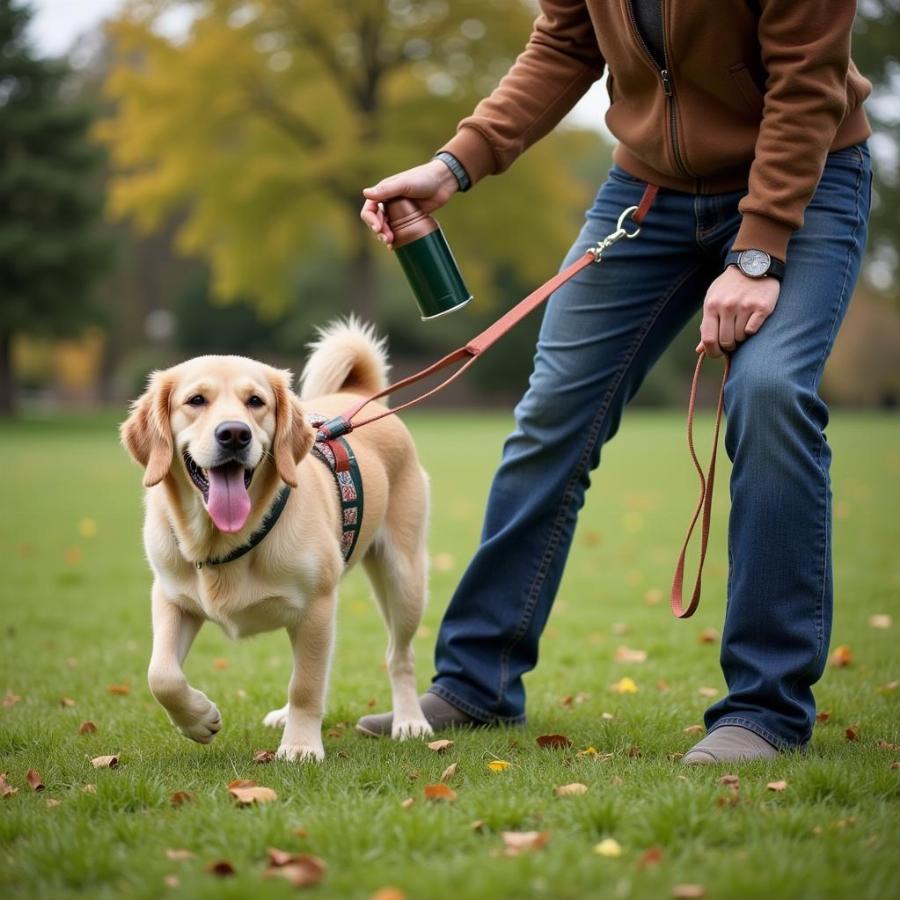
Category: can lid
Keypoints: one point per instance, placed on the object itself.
(407, 220)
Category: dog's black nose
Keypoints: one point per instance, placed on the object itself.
(233, 435)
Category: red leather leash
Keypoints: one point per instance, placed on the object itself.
(704, 503)
(343, 424)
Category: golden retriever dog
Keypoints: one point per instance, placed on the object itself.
(219, 437)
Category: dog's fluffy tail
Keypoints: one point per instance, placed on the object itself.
(347, 355)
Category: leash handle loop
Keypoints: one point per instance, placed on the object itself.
(704, 503)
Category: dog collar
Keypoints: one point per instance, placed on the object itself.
(268, 523)
(332, 448)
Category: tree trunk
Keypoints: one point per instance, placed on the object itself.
(361, 277)
(7, 388)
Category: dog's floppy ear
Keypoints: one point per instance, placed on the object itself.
(294, 436)
(147, 432)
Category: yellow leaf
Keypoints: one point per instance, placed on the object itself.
(498, 765)
(609, 847)
(247, 793)
(625, 686)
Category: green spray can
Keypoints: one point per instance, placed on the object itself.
(426, 259)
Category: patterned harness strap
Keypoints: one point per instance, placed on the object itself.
(338, 455)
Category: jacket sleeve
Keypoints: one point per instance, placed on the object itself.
(558, 65)
(806, 52)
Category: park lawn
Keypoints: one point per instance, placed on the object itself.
(75, 619)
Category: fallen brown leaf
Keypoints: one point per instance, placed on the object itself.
(887, 745)
(87, 727)
(635, 752)
(66, 702)
(408, 802)
(51, 802)
(731, 781)
(179, 798)
(388, 893)
(89, 789)
(10, 699)
(652, 856)
(449, 772)
(674, 757)
(842, 656)
(571, 790)
(248, 793)
(895, 765)
(35, 782)
(708, 692)
(439, 792)
(105, 762)
(823, 717)
(121, 689)
(301, 832)
(515, 843)
(627, 655)
(261, 757)
(221, 663)
(220, 867)
(440, 746)
(694, 729)
(882, 621)
(851, 733)
(708, 636)
(688, 891)
(178, 854)
(777, 786)
(553, 741)
(478, 825)
(171, 881)
(6, 789)
(662, 686)
(889, 688)
(300, 869)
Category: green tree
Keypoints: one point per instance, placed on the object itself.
(876, 49)
(50, 251)
(264, 122)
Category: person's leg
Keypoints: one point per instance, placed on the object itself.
(778, 618)
(600, 334)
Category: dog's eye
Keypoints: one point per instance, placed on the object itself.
(197, 400)
(256, 402)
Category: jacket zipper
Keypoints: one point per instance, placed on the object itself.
(665, 76)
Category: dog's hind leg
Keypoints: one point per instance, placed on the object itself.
(190, 710)
(397, 566)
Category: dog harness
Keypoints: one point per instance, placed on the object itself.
(337, 454)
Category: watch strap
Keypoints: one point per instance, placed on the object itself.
(457, 168)
(776, 266)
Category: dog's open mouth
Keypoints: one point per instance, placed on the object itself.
(224, 490)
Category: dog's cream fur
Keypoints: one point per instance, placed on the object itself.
(290, 580)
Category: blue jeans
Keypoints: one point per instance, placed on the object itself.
(600, 335)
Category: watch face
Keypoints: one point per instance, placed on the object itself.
(755, 263)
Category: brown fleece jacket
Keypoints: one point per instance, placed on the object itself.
(744, 103)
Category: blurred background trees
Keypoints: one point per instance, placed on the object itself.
(51, 252)
(239, 134)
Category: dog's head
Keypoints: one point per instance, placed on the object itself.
(213, 422)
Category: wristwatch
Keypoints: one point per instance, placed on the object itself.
(457, 168)
(756, 264)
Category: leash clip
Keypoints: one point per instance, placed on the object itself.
(617, 235)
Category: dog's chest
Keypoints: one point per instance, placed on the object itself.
(241, 607)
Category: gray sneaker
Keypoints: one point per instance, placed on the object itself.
(439, 713)
(730, 743)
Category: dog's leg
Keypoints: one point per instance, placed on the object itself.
(174, 630)
(313, 641)
(399, 576)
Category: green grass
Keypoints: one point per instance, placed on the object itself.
(75, 618)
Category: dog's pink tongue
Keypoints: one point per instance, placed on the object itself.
(228, 503)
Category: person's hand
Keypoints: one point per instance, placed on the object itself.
(430, 185)
(734, 309)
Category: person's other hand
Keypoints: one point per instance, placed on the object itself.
(734, 309)
(431, 185)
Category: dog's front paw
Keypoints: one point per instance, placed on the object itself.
(301, 752)
(403, 730)
(277, 718)
(203, 722)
